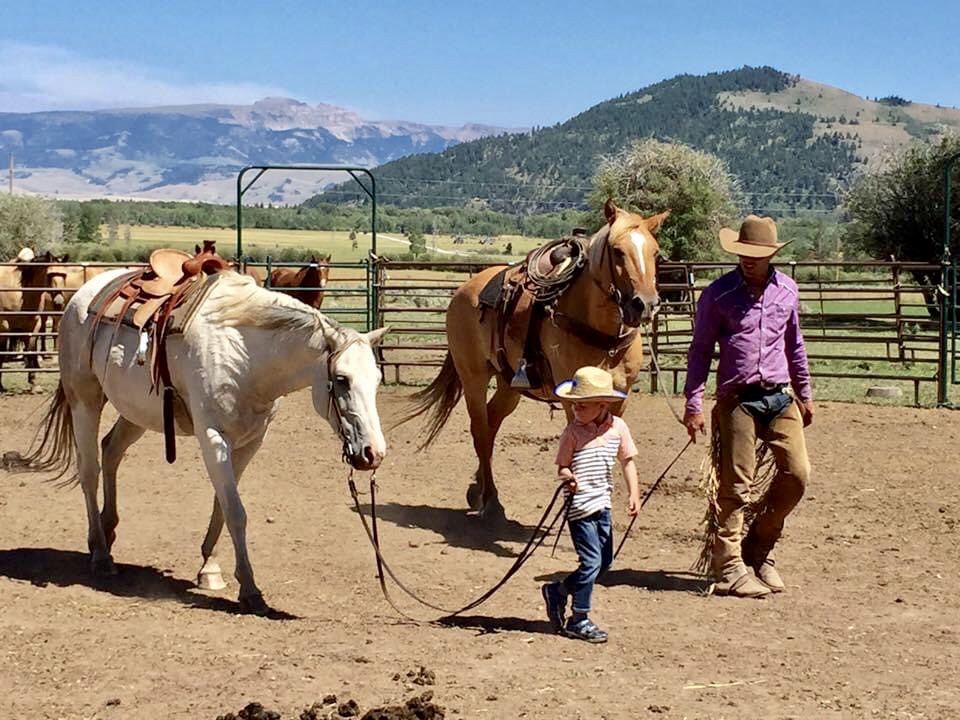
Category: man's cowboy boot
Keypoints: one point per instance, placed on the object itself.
(760, 558)
(769, 576)
(744, 585)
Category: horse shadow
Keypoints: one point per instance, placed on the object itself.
(66, 568)
(458, 528)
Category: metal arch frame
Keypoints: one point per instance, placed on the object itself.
(371, 192)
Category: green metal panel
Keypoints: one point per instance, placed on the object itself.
(370, 188)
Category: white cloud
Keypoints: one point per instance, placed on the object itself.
(38, 77)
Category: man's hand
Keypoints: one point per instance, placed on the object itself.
(807, 410)
(695, 422)
(633, 505)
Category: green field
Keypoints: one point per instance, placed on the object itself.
(336, 243)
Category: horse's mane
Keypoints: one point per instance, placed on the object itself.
(238, 301)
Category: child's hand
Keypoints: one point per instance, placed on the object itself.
(633, 505)
(570, 479)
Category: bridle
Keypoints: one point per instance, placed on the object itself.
(334, 393)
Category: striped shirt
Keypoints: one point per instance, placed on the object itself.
(590, 451)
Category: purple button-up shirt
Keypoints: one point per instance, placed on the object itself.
(760, 339)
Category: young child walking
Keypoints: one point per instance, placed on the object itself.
(589, 446)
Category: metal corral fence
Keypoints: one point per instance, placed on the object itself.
(866, 321)
(862, 321)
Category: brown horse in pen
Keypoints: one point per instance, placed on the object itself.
(593, 319)
(305, 284)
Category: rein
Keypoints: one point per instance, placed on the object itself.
(383, 569)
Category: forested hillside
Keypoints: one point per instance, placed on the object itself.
(776, 154)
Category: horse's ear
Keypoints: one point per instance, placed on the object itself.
(63, 258)
(375, 336)
(610, 211)
(655, 221)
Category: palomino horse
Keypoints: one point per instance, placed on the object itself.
(594, 323)
(305, 284)
(243, 350)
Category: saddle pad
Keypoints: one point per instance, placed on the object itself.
(491, 292)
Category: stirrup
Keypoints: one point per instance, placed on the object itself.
(520, 379)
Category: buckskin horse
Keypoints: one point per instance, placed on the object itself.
(23, 285)
(240, 351)
(305, 284)
(506, 320)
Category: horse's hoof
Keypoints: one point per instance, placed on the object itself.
(103, 567)
(254, 605)
(210, 581)
(493, 513)
(474, 499)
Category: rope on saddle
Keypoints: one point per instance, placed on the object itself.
(540, 533)
(551, 284)
(765, 470)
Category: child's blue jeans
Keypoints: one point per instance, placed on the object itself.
(593, 539)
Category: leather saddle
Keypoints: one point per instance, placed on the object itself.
(520, 297)
(157, 301)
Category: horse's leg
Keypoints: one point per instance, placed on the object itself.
(475, 395)
(30, 359)
(503, 402)
(217, 455)
(86, 409)
(122, 435)
(210, 576)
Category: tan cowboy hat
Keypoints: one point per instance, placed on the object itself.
(589, 383)
(757, 238)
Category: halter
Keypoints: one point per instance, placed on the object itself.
(613, 292)
(333, 394)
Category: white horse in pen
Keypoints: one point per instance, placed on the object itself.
(245, 348)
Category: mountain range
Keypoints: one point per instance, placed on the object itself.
(194, 152)
(791, 143)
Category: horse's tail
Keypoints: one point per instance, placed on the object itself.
(53, 449)
(440, 396)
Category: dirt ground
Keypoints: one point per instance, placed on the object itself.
(869, 626)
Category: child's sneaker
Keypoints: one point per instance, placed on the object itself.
(585, 630)
(555, 603)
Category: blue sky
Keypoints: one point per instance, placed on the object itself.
(513, 64)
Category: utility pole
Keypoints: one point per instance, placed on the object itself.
(11, 173)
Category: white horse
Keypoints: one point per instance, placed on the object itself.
(244, 349)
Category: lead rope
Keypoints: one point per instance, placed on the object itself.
(656, 483)
(647, 495)
(384, 570)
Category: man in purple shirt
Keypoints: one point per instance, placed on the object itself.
(752, 312)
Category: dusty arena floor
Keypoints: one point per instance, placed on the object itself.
(869, 627)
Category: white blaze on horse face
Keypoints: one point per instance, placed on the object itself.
(651, 302)
(639, 240)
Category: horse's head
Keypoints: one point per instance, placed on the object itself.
(346, 393)
(623, 261)
(316, 272)
(57, 280)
